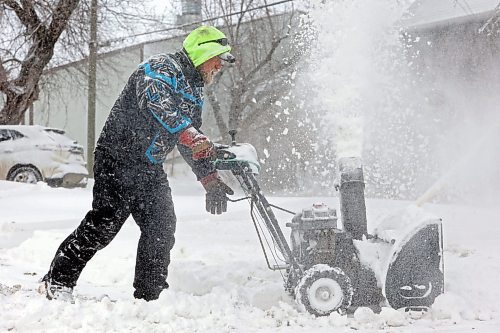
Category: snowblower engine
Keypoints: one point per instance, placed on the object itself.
(315, 234)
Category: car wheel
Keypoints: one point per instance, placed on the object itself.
(25, 174)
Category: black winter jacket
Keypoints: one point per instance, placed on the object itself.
(163, 97)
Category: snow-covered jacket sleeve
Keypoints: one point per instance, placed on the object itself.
(201, 167)
(160, 93)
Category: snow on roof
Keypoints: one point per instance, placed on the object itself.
(29, 128)
(33, 130)
(430, 12)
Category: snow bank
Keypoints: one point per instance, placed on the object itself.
(218, 276)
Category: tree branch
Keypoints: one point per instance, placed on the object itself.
(3, 76)
(23, 90)
(60, 18)
(26, 14)
(217, 110)
(252, 116)
(267, 59)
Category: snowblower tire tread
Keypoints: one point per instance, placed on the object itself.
(322, 271)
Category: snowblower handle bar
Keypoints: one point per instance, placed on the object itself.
(240, 199)
(264, 208)
(283, 209)
(244, 167)
(270, 204)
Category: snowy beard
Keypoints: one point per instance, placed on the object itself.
(208, 77)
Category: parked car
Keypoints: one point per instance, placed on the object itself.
(30, 154)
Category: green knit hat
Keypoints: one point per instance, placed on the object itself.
(206, 42)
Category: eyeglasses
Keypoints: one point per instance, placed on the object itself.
(222, 41)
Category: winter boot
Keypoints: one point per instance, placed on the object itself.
(55, 291)
(146, 295)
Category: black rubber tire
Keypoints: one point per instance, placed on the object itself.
(323, 290)
(25, 174)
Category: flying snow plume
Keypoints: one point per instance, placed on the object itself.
(359, 74)
(349, 137)
(356, 47)
(417, 127)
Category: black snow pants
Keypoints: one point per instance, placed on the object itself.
(122, 189)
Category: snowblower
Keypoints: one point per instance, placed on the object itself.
(335, 265)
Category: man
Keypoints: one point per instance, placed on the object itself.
(159, 108)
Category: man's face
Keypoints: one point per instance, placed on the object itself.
(209, 69)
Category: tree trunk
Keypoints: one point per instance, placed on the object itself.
(22, 91)
(216, 108)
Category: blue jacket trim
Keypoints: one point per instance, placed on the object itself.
(171, 82)
(149, 151)
(172, 130)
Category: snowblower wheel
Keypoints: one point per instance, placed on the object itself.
(323, 290)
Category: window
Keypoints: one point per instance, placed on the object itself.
(4, 135)
(16, 135)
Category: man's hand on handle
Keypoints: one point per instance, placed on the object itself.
(216, 199)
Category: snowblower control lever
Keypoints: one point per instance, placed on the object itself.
(233, 136)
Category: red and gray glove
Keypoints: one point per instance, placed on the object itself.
(199, 144)
(216, 199)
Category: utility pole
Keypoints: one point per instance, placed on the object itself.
(92, 86)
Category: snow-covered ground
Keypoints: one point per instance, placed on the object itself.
(218, 276)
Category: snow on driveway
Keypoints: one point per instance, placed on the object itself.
(218, 277)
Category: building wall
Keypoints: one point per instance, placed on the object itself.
(459, 70)
(461, 64)
(63, 100)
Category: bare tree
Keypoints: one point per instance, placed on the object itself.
(23, 61)
(492, 25)
(262, 42)
(256, 95)
(37, 35)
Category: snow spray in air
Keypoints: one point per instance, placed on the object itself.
(359, 75)
(417, 120)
